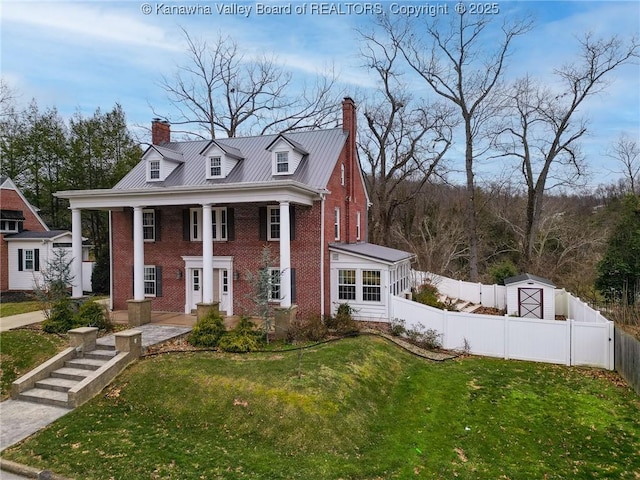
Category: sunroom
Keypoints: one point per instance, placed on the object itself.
(366, 276)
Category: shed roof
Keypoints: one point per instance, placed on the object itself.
(29, 235)
(527, 277)
(377, 252)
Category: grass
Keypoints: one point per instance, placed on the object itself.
(22, 350)
(363, 409)
(15, 308)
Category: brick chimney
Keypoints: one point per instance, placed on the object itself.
(349, 126)
(160, 131)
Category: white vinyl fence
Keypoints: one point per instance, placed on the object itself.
(486, 295)
(585, 338)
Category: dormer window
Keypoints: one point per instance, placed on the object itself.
(215, 167)
(8, 226)
(282, 162)
(154, 170)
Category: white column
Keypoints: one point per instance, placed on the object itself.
(76, 252)
(207, 255)
(285, 256)
(138, 255)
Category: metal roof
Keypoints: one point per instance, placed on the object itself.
(323, 147)
(370, 250)
(528, 277)
(29, 235)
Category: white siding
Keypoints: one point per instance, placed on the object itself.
(548, 298)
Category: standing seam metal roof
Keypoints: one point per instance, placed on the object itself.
(324, 147)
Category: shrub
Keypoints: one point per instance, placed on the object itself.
(343, 322)
(427, 294)
(60, 318)
(207, 331)
(243, 338)
(312, 328)
(92, 314)
(428, 339)
(397, 328)
(502, 270)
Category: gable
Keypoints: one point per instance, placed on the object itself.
(12, 199)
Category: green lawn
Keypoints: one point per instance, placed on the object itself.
(23, 350)
(15, 308)
(363, 409)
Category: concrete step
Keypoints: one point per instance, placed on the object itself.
(100, 354)
(77, 374)
(45, 397)
(57, 384)
(85, 363)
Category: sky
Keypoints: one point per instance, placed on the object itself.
(82, 55)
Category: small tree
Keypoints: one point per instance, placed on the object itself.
(263, 283)
(52, 288)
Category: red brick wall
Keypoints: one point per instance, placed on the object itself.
(246, 251)
(10, 200)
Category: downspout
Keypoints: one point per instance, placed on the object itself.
(110, 262)
(322, 285)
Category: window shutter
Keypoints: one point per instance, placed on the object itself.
(292, 222)
(186, 226)
(293, 285)
(36, 259)
(231, 224)
(20, 226)
(262, 214)
(158, 281)
(156, 220)
(20, 265)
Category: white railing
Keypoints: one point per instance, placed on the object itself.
(564, 342)
(486, 295)
(573, 307)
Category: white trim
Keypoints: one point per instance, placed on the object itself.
(322, 265)
(219, 263)
(358, 228)
(274, 208)
(152, 226)
(336, 224)
(145, 281)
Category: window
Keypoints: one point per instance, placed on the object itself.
(8, 226)
(358, 225)
(215, 167)
(274, 285)
(273, 223)
(149, 225)
(196, 280)
(371, 285)
(225, 281)
(336, 223)
(150, 280)
(218, 224)
(154, 170)
(346, 284)
(62, 245)
(342, 174)
(28, 260)
(282, 162)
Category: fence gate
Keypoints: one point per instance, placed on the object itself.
(530, 302)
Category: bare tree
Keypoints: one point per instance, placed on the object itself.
(627, 153)
(404, 142)
(220, 90)
(455, 62)
(544, 134)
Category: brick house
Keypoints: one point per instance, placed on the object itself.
(191, 220)
(27, 243)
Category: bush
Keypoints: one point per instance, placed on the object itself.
(61, 317)
(502, 270)
(312, 328)
(427, 294)
(343, 323)
(243, 338)
(428, 339)
(92, 314)
(397, 328)
(207, 331)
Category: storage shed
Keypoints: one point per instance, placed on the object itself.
(530, 296)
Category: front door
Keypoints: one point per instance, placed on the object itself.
(530, 302)
(220, 288)
(196, 287)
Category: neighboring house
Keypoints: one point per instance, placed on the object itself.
(26, 242)
(191, 219)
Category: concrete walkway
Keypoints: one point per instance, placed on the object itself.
(19, 419)
(20, 320)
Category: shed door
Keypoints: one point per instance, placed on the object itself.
(530, 302)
